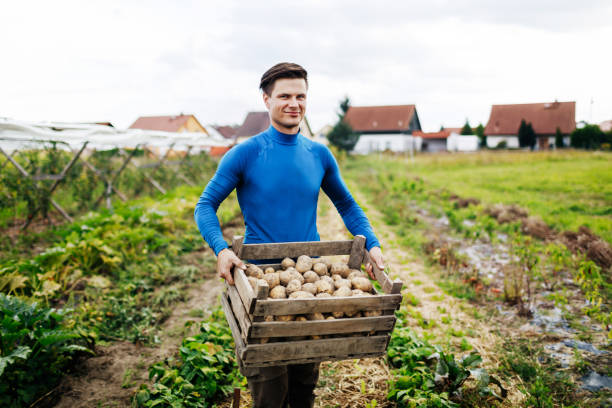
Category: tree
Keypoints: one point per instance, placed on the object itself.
(526, 135)
(466, 129)
(342, 135)
(559, 139)
(587, 137)
(481, 136)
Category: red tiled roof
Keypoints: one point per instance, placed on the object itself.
(443, 134)
(380, 118)
(227, 132)
(544, 117)
(163, 123)
(254, 123)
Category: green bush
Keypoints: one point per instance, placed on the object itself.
(36, 346)
(205, 372)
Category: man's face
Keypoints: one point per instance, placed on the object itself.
(287, 104)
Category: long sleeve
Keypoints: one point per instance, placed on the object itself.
(219, 187)
(353, 216)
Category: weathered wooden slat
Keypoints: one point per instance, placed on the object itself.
(229, 316)
(357, 249)
(244, 289)
(240, 313)
(295, 249)
(262, 289)
(387, 284)
(315, 359)
(237, 245)
(313, 348)
(321, 327)
(276, 266)
(324, 305)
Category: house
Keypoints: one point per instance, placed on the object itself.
(606, 125)
(384, 128)
(456, 142)
(432, 141)
(227, 132)
(257, 122)
(545, 118)
(180, 123)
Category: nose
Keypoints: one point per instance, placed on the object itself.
(293, 103)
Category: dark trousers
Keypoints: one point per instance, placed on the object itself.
(283, 386)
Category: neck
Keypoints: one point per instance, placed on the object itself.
(282, 137)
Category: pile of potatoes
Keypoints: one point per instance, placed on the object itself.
(310, 278)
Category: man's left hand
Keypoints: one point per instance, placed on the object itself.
(376, 256)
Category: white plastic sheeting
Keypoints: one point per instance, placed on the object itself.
(18, 135)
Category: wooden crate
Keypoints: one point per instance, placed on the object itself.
(346, 338)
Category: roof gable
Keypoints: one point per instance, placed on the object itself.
(442, 134)
(163, 123)
(254, 123)
(380, 118)
(544, 117)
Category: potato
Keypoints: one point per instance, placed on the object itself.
(342, 282)
(352, 313)
(296, 275)
(284, 318)
(335, 277)
(372, 313)
(294, 285)
(326, 261)
(310, 277)
(337, 315)
(278, 292)
(269, 318)
(287, 263)
(324, 287)
(327, 279)
(273, 279)
(320, 268)
(323, 295)
(343, 291)
(310, 288)
(269, 269)
(357, 292)
(301, 318)
(356, 274)
(252, 281)
(340, 268)
(362, 283)
(315, 316)
(330, 318)
(304, 263)
(315, 337)
(284, 277)
(254, 271)
(300, 294)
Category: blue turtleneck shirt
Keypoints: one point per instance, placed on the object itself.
(277, 177)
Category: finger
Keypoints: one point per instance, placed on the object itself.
(229, 278)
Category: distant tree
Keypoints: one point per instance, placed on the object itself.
(345, 104)
(481, 136)
(559, 139)
(466, 129)
(342, 135)
(526, 135)
(587, 137)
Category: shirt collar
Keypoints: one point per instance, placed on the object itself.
(282, 138)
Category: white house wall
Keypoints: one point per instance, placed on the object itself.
(462, 143)
(511, 141)
(381, 142)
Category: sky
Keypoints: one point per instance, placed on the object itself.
(118, 60)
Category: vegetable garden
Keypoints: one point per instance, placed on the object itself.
(506, 298)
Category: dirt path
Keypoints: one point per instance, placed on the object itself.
(110, 378)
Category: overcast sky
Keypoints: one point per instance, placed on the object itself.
(117, 60)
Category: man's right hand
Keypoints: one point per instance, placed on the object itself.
(226, 260)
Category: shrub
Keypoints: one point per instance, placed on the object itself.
(36, 346)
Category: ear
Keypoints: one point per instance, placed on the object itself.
(266, 99)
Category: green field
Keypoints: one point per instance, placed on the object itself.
(567, 189)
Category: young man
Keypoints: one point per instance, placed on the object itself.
(278, 174)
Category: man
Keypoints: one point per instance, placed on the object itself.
(278, 174)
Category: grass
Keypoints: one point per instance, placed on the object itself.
(566, 188)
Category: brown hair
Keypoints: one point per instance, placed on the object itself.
(282, 70)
